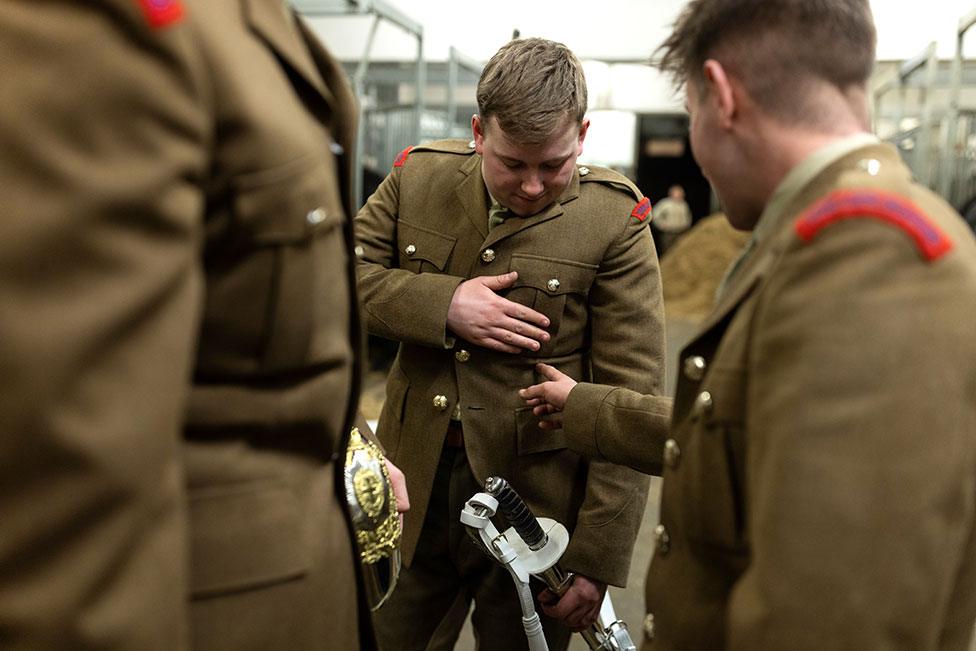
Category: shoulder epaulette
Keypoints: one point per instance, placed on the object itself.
(642, 210)
(610, 178)
(160, 13)
(402, 157)
(932, 243)
(452, 146)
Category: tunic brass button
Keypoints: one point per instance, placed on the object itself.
(694, 368)
(662, 539)
(703, 405)
(649, 627)
(359, 251)
(316, 216)
(671, 453)
(584, 170)
(487, 255)
(440, 402)
(462, 356)
(553, 284)
(410, 250)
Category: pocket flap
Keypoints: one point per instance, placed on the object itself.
(531, 439)
(419, 243)
(551, 275)
(287, 203)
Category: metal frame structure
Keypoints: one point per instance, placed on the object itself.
(955, 111)
(941, 149)
(379, 10)
(928, 60)
(455, 62)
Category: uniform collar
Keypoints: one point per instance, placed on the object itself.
(282, 31)
(801, 176)
(786, 192)
(475, 198)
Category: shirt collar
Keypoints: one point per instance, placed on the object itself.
(802, 174)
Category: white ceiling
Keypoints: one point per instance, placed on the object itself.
(610, 29)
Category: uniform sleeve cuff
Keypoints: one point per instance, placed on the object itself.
(580, 417)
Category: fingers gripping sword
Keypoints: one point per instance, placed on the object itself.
(533, 546)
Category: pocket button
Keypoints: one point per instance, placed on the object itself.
(315, 217)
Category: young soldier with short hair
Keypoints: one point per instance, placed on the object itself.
(482, 259)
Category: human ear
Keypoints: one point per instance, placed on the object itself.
(720, 91)
(582, 136)
(477, 133)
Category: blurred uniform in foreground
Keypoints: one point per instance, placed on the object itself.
(174, 208)
(820, 477)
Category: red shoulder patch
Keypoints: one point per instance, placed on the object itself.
(402, 157)
(932, 243)
(642, 210)
(161, 13)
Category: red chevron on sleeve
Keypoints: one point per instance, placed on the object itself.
(932, 243)
(402, 157)
(642, 210)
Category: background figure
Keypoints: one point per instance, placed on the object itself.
(482, 258)
(174, 208)
(819, 484)
(672, 217)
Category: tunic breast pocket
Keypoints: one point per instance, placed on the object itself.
(711, 462)
(423, 249)
(285, 247)
(558, 289)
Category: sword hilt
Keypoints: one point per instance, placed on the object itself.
(516, 512)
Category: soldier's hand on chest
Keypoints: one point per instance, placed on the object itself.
(479, 315)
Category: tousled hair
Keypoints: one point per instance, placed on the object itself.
(779, 49)
(532, 86)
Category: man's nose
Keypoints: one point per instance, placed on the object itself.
(532, 184)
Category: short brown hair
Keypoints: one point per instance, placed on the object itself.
(531, 86)
(775, 47)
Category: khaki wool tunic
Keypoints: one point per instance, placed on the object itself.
(586, 263)
(819, 481)
(178, 363)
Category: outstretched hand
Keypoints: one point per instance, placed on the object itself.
(548, 399)
(479, 315)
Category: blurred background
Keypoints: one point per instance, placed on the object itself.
(415, 66)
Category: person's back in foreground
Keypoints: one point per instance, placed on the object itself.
(820, 480)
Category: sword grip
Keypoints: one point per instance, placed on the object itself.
(516, 512)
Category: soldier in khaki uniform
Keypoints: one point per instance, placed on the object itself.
(174, 207)
(483, 258)
(819, 483)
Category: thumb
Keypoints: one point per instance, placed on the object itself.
(503, 281)
(399, 482)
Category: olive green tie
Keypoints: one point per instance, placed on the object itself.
(497, 214)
